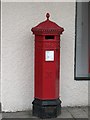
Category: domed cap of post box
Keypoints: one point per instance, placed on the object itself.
(47, 27)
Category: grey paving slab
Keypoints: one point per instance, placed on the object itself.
(0, 116)
(85, 109)
(65, 114)
(77, 112)
(25, 114)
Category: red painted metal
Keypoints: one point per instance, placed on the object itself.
(47, 38)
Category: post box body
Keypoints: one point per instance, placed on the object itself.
(46, 102)
(47, 62)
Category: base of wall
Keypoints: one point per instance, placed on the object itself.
(46, 108)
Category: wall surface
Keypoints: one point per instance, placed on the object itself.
(18, 54)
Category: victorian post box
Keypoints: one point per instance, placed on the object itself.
(46, 102)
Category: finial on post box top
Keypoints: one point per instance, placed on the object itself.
(47, 15)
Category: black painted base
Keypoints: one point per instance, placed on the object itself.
(46, 108)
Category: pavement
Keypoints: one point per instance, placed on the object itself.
(66, 112)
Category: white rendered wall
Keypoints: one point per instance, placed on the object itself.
(18, 54)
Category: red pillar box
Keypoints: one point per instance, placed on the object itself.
(46, 102)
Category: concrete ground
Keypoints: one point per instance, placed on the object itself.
(67, 112)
